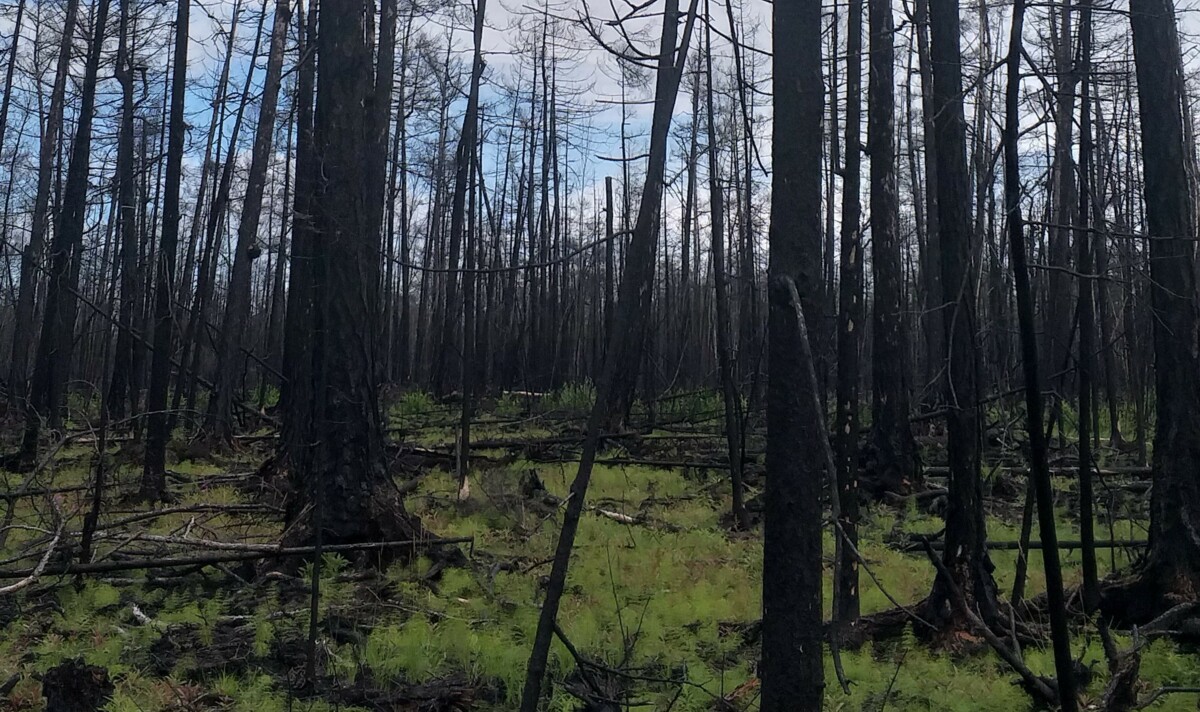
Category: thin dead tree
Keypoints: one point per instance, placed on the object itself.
(1039, 460)
(154, 480)
(614, 387)
(850, 326)
(219, 421)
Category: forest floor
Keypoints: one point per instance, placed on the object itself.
(660, 595)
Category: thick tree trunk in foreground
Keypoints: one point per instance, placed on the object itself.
(1172, 568)
(333, 430)
(791, 669)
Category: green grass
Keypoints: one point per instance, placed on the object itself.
(644, 595)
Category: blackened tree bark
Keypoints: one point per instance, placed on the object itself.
(1039, 462)
(1086, 315)
(1059, 308)
(219, 420)
(51, 373)
(23, 325)
(154, 481)
(296, 384)
(850, 322)
(125, 386)
(278, 278)
(342, 491)
(379, 119)
(1172, 566)
(965, 554)
(895, 449)
(458, 202)
(404, 326)
(614, 388)
(462, 221)
(646, 227)
(13, 48)
(731, 399)
(933, 296)
(791, 670)
(381, 200)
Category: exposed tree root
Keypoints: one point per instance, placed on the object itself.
(1147, 595)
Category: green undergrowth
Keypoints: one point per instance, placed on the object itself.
(666, 597)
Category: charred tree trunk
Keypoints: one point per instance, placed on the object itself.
(965, 554)
(13, 49)
(1039, 464)
(895, 449)
(296, 384)
(1086, 315)
(1172, 567)
(934, 296)
(154, 481)
(23, 328)
(615, 386)
(52, 367)
(123, 391)
(731, 399)
(460, 219)
(341, 489)
(219, 420)
(462, 168)
(850, 321)
(791, 669)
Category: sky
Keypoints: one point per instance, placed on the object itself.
(590, 73)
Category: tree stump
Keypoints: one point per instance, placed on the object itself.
(76, 687)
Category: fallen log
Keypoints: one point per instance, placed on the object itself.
(228, 556)
(1115, 471)
(918, 544)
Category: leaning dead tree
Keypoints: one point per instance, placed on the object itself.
(237, 305)
(1039, 462)
(615, 385)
